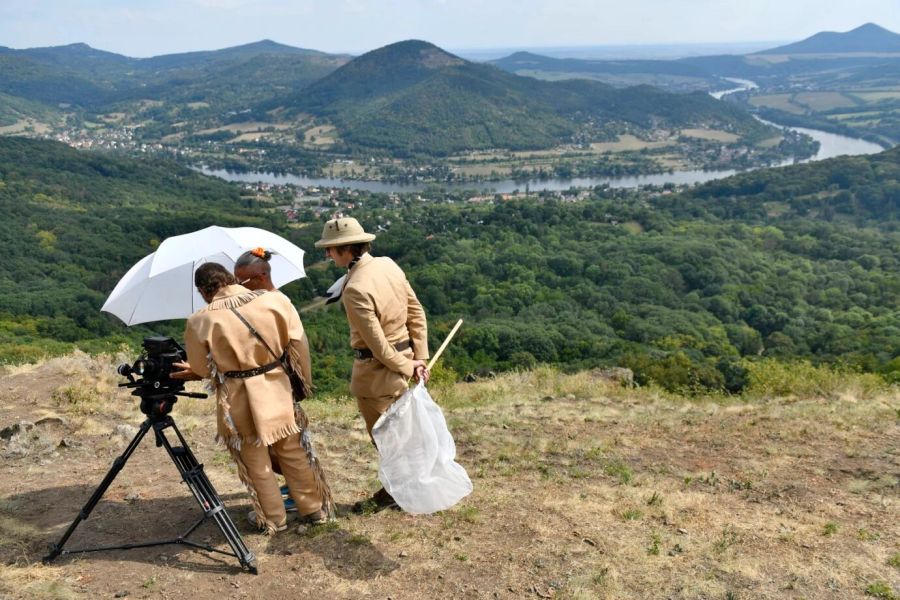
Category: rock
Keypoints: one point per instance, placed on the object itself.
(403, 554)
(125, 431)
(620, 375)
(121, 594)
(16, 429)
(548, 399)
(50, 422)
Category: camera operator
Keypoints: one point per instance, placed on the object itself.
(255, 411)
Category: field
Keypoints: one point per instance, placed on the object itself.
(711, 134)
(583, 489)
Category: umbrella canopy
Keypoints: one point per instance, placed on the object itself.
(161, 285)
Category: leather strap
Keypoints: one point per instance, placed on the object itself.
(363, 353)
(253, 372)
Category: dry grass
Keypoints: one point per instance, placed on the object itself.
(583, 489)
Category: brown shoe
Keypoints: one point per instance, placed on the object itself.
(379, 501)
(252, 517)
(311, 520)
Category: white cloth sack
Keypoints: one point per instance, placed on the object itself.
(417, 455)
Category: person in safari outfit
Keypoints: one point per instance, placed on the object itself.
(388, 329)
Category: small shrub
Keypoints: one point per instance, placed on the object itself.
(882, 590)
(830, 528)
(653, 549)
(771, 378)
(617, 468)
(654, 500)
(632, 514)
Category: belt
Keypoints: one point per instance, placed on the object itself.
(366, 353)
(253, 372)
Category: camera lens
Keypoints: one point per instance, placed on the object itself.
(124, 370)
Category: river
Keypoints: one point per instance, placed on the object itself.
(830, 145)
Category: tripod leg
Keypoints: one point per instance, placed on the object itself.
(117, 465)
(194, 476)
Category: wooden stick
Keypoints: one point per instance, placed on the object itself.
(449, 337)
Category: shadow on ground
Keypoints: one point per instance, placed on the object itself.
(36, 520)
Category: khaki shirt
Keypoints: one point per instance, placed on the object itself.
(259, 409)
(383, 310)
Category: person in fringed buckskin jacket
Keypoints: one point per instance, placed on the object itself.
(388, 329)
(255, 410)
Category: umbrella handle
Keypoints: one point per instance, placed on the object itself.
(449, 337)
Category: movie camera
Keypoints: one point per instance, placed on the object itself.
(155, 387)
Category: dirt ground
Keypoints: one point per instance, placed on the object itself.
(583, 489)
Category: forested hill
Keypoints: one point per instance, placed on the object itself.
(89, 78)
(788, 264)
(868, 38)
(784, 264)
(414, 97)
(74, 222)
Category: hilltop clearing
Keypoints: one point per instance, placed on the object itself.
(583, 489)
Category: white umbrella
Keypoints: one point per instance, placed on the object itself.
(161, 285)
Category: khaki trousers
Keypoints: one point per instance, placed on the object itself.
(372, 408)
(297, 474)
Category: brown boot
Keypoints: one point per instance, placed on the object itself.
(379, 501)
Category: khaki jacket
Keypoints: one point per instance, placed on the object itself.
(383, 310)
(260, 409)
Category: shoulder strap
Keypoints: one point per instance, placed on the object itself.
(255, 333)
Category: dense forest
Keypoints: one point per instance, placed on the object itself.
(792, 263)
(74, 222)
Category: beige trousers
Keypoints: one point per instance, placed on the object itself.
(372, 408)
(297, 474)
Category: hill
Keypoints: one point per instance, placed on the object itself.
(869, 38)
(599, 492)
(414, 97)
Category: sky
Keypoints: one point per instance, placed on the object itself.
(142, 28)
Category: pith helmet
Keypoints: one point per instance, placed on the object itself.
(343, 232)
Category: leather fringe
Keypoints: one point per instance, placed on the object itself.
(322, 486)
(295, 359)
(244, 476)
(236, 301)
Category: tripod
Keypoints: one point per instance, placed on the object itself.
(191, 472)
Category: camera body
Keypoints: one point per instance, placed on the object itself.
(154, 386)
